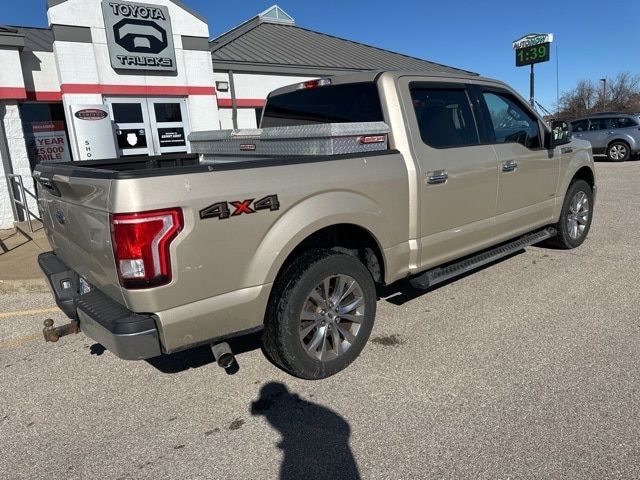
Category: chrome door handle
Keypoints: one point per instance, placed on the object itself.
(434, 178)
(509, 166)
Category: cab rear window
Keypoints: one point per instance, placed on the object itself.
(346, 103)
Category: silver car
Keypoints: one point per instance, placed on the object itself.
(616, 135)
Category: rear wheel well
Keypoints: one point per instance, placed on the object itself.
(618, 140)
(345, 238)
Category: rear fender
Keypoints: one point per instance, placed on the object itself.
(628, 139)
(307, 217)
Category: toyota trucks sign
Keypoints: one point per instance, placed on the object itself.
(139, 36)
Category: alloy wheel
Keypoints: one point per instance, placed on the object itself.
(331, 317)
(578, 215)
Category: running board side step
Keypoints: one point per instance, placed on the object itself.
(441, 274)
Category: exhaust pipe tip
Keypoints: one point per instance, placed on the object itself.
(223, 355)
(226, 360)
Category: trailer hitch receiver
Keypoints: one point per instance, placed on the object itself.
(53, 334)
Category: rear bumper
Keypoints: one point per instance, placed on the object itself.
(129, 335)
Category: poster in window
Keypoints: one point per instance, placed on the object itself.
(48, 142)
(171, 137)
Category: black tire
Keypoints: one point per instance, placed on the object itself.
(564, 238)
(615, 149)
(291, 294)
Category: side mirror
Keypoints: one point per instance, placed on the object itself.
(560, 134)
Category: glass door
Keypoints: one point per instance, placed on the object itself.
(170, 125)
(132, 126)
(150, 126)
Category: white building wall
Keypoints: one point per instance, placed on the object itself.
(88, 13)
(89, 64)
(258, 86)
(203, 109)
(226, 122)
(11, 78)
(10, 70)
(203, 112)
(19, 159)
(40, 72)
(76, 63)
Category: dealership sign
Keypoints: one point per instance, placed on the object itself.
(139, 36)
(532, 39)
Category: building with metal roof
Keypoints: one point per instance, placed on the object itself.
(270, 51)
(272, 42)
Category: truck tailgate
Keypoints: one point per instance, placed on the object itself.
(75, 213)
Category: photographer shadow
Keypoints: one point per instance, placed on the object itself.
(315, 439)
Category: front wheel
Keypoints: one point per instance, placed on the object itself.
(320, 315)
(576, 215)
(618, 152)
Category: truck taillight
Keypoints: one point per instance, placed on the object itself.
(141, 246)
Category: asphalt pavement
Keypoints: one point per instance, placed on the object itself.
(529, 368)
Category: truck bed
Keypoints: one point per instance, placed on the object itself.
(140, 167)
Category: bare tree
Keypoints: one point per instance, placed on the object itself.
(622, 91)
(622, 94)
(580, 100)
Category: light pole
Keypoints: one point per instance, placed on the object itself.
(604, 94)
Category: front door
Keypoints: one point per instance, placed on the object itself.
(149, 126)
(528, 173)
(458, 175)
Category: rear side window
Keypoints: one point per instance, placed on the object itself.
(624, 122)
(444, 117)
(512, 123)
(347, 103)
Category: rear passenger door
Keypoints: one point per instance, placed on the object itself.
(527, 172)
(598, 133)
(458, 175)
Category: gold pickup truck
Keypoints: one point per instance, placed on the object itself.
(152, 256)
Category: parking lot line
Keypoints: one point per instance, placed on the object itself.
(19, 341)
(22, 313)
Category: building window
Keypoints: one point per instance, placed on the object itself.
(45, 132)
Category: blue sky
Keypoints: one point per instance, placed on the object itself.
(595, 39)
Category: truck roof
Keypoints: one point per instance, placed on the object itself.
(373, 75)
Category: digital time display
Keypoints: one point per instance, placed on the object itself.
(533, 54)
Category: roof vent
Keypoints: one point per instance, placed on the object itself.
(276, 14)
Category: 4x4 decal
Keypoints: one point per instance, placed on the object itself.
(222, 211)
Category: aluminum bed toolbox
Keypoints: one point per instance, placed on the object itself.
(317, 139)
